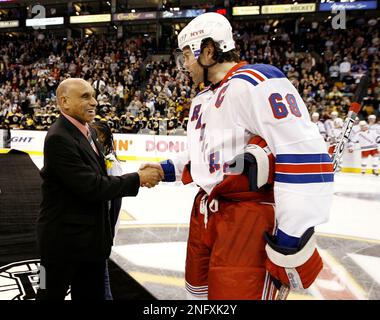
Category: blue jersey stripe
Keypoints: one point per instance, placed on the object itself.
(267, 70)
(304, 178)
(244, 77)
(303, 158)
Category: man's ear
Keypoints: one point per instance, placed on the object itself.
(62, 101)
(209, 51)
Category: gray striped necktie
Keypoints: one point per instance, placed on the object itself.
(92, 143)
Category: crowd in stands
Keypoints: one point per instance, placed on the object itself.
(136, 94)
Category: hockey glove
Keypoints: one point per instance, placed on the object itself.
(257, 163)
(294, 267)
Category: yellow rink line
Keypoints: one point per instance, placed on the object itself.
(355, 170)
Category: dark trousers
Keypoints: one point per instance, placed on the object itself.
(86, 280)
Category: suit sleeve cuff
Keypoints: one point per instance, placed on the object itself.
(134, 184)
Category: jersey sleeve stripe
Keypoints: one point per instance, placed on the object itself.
(255, 74)
(305, 168)
(304, 178)
(303, 158)
(246, 78)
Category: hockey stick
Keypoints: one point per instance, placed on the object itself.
(355, 107)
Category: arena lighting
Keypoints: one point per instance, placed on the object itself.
(133, 10)
(77, 7)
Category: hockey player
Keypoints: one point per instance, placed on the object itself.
(334, 135)
(372, 125)
(368, 141)
(320, 125)
(234, 250)
(329, 123)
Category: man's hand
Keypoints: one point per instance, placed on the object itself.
(150, 174)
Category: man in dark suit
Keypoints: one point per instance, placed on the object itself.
(73, 228)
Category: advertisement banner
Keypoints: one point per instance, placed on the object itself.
(288, 8)
(128, 146)
(9, 24)
(91, 18)
(246, 11)
(44, 22)
(135, 16)
(148, 147)
(28, 140)
(359, 5)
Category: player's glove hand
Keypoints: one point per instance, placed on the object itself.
(257, 162)
(294, 267)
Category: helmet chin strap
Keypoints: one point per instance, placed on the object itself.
(205, 71)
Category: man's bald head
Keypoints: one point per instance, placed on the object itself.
(76, 98)
(66, 86)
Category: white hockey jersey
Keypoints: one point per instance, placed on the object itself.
(259, 100)
(334, 136)
(375, 127)
(322, 129)
(368, 140)
(329, 126)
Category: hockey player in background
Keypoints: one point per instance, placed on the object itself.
(259, 200)
(368, 141)
(320, 125)
(329, 123)
(373, 125)
(334, 134)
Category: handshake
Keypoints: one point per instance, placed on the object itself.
(150, 174)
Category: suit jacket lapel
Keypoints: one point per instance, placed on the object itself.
(84, 144)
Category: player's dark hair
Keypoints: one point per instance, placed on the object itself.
(104, 129)
(220, 56)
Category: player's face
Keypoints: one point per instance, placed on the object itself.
(191, 65)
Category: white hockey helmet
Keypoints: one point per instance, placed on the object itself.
(338, 122)
(363, 124)
(207, 25)
(315, 115)
(371, 117)
(334, 114)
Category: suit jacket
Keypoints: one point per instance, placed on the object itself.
(74, 222)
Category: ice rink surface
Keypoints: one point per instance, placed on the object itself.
(153, 229)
